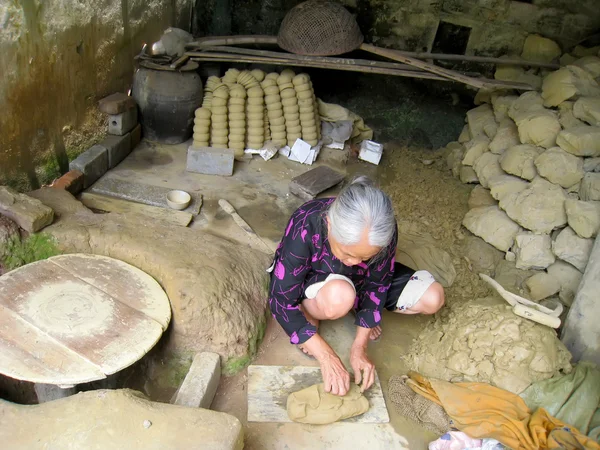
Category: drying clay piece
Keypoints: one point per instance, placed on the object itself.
(291, 123)
(271, 90)
(315, 406)
(288, 73)
(272, 76)
(303, 88)
(290, 110)
(255, 123)
(255, 115)
(255, 102)
(307, 109)
(258, 74)
(286, 86)
(219, 132)
(278, 128)
(272, 100)
(288, 93)
(219, 118)
(277, 120)
(500, 348)
(289, 101)
(233, 117)
(218, 101)
(274, 113)
(219, 109)
(297, 129)
(306, 124)
(292, 117)
(284, 80)
(236, 109)
(301, 79)
(202, 123)
(203, 137)
(255, 92)
(203, 113)
(305, 95)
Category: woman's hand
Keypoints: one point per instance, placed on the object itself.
(336, 379)
(364, 369)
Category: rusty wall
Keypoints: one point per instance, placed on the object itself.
(58, 57)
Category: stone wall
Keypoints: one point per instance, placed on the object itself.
(58, 57)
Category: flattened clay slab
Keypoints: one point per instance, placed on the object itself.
(270, 386)
(310, 184)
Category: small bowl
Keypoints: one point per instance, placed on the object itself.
(178, 199)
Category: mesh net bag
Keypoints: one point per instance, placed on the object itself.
(411, 405)
(319, 28)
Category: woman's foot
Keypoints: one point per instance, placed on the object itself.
(375, 333)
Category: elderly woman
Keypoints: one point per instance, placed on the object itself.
(338, 254)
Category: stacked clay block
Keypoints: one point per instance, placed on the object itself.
(244, 109)
(219, 129)
(237, 119)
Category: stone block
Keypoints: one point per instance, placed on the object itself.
(120, 124)
(93, 163)
(533, 251)
(116, 103)
(136, 136)
(118, 147)
(590, 187)
(27, 212)
(210, 160)
(71, 181)
(200, 384)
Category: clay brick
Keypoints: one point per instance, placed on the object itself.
(118, 147)
(120, 124)
(210, 161)
(200, 384)
(93, 163)
(71, 181)
(116, 103)
(136, 136)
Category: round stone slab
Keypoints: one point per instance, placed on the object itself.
(77, 318)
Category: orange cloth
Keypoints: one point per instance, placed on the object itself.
(484, 411)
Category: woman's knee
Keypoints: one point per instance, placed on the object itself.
(336, 298)
(433, 299)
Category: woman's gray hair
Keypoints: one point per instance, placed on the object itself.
(362, 206)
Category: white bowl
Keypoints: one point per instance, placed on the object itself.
(178, 199)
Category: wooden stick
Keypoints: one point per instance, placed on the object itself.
(285, 62)
(396, 56)
(479, 59)
(179, 61)
(229, 209)
(317, 59)
(232, 40)
(208, 56)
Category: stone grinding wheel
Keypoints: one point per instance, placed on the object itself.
(77, 318)
(319, 28)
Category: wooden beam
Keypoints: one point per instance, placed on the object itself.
(232, 40)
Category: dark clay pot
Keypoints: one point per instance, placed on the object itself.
(167, 102)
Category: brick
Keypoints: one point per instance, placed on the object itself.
(27, 212)
(118, 147)
(71, 181)
(210, 161)
(93, 163)
(136, 136)
(120, 124)
(200, 384)
(310, 184)
(116, 103)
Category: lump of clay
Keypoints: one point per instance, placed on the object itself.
(540, 49)
(481, 121)
(568, 82)
(467, 175)
(519, 160)
(483, 341)
(465, 135)
(539, 208)
(481, 196)
(533, 251)
(587, 109)
(315, 406)
(474, 149)
(482, 256)
(539, 128)
(541, 286)
(501, 105)
(506, 137)
(590, 64)
(506, 184)
(560, 167)
(566, 117)
(492, 225)
(568, 277)
(524, 105)
(580, 141)
(573, 249)
(583, 217)
(590, 187)
(487, 167)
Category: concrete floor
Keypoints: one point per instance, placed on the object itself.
(259, 191)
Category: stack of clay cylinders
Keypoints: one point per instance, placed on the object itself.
(306, 108)
(255, 109)
(291, 111)
(219, 129)
(230, 77)
(211, 84)
(274, 109)
(237, 119)
(202, 127)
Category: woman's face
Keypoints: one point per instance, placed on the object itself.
(351, 255)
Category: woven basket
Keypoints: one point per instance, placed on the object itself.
(319, 28)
